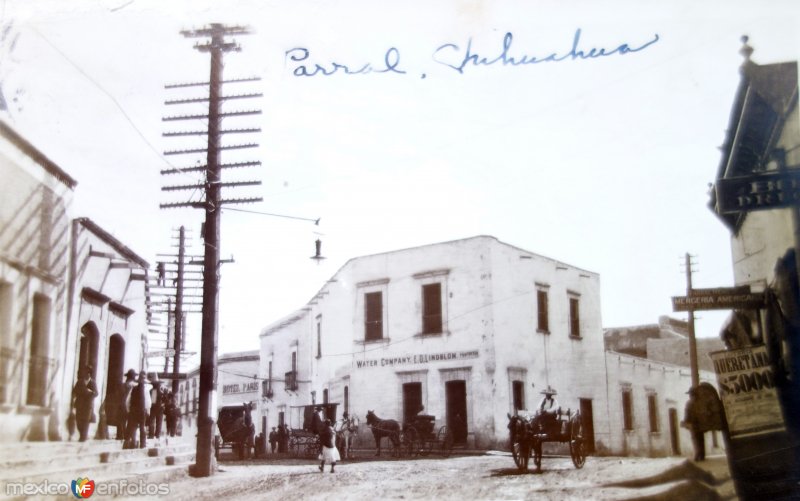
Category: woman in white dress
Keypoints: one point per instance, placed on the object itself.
(329, 453)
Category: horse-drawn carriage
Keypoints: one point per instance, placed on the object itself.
(415, 437)
(527, 435)
(304, 441)
(236, 430)
(420, 437)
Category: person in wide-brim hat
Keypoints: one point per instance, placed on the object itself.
(549, 391)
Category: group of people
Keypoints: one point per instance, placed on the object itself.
(279, 438)
(137, 407)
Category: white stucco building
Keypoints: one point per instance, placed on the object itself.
(470, 329)
(71, 295)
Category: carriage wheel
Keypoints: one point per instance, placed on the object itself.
(445, 438)
(520, 450)
(409, 443)
(577, 444)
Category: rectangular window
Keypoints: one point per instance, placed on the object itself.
(574, 317)
(325, 396)
(518, 388)
(627, 410)
(432, 308)
(373, 316)
(543, 324)
(269, 375)
(347, 399)
(652, 405)
(319, 338)
(39, 350)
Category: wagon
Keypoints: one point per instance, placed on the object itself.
(304, 441)
(528, 435)
(419, 437)
(236, 430)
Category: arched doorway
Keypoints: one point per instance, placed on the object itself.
(114, 384)
(90, 337)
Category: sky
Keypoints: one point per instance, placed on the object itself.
(602, 163)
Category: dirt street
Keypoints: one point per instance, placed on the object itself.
(492, 476)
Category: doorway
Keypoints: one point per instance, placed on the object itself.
(456, 398)
(114, 384)
(88, 349)
(675, 437)
(587, 419)
(412, 401)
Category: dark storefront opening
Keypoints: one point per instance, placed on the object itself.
(587, 418)
(456, 396)
(412, 401)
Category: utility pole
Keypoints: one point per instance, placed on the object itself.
(178, 342)
(216, 47)
(170, 284)
(692, 339)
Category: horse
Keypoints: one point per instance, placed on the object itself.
(384, 428)
(520, 431)
(346, 429)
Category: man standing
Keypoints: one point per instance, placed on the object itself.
(273, 440)
(138, 404)
(156, 409)
(83, 401)
(692, 421)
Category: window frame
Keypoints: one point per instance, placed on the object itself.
(652, 411)
(373, 320)
(427, 328)
(363, 289)
(574, 315)
(627, 409)
(542, 310)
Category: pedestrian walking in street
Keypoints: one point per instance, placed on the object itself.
(273, 440)
(83, 395)
(329, 453)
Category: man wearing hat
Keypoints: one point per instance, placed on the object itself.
(692, 421)
(548, 408)
(156, 408)
(83, 397)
